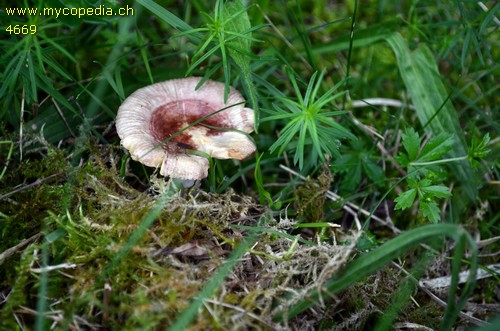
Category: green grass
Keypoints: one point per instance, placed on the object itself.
(376, 126)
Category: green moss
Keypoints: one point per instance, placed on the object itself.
(19, 293)
(89, 213)
(311, 196)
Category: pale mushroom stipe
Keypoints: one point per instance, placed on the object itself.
(152, 124)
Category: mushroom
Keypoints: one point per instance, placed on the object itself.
(158, 124)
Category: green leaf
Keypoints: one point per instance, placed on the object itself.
(430, 210)
(336, 129)
(357, 162)
(403, 160)
(56, 67)
(287, 135)
(411, 143)
(352, 178)
(423, 183)
(115, 82)
(372, 169)
(478, 150)
(315, 139)
(426, 195)
(412, 183)
(438, 191)
(327, 96)
(307, 97)
(299, 151)
(405, 199)
(436, 148)
(236, 21)
(31, 70)
(61, 49)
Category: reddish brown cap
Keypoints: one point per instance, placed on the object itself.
(150, 116)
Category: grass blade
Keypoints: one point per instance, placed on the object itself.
(167, 16)
(241, 25)
(264, 195)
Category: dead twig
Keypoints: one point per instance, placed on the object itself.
(11, 251)
(440, 282)
(28, 186)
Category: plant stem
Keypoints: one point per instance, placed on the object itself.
(453, 159)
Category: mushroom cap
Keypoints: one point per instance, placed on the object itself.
(151, 120)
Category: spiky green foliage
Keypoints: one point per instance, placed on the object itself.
(308, 118)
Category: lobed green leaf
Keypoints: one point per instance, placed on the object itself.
(406, 199)
(411, 143)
